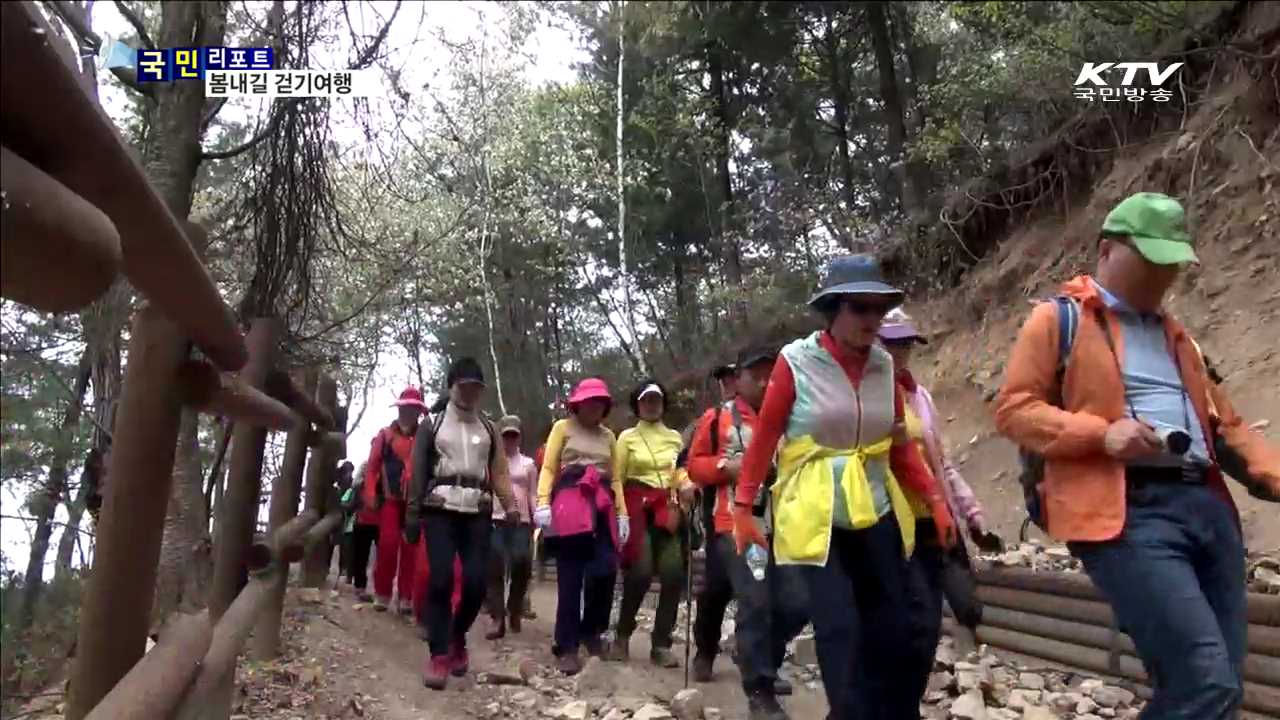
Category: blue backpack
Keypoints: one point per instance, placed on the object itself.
(1032, 473)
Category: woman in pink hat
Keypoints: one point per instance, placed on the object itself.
(581, 510)
(386, 485)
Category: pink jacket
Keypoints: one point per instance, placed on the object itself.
(576, 503)
(960, 497)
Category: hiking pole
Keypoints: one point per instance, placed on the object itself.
(688, 594)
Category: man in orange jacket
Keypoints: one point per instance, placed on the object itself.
(1133, 433)
(772, 611)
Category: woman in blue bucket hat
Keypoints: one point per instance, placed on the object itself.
(835, 416)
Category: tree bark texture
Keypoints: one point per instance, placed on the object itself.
(44, 501)
(320, 477)
(186, 552)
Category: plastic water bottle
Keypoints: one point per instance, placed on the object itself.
(757, 561)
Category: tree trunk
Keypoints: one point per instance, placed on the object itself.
(637, 355)
(893, 109)
(922, 65)
(840, 100)
(185, 555)
(729, 236)
(70, 532)
(102, 323)
(44, 502)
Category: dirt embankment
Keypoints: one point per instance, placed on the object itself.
(1222, 159)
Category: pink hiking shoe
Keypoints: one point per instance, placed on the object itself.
(436, 674)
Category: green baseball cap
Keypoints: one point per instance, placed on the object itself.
(1156, 225)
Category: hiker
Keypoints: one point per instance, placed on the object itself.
(341, 535)
(511, 556)
(581, 511)
(838, 508)
(717, 590)
(645, 462)
(386, 487)
(364, 533)
(933, 572)
(457, 469)
(1108, 388)
(770, 612)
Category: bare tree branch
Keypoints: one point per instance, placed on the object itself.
(278, 113)
(136, 22)
(365, 58)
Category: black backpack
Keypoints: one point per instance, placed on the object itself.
(1032, 473)
(392, 468)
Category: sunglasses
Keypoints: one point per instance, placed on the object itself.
(861, 307)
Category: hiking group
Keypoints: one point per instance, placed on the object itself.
(821, 491)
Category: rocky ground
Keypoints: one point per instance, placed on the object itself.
(345, 661)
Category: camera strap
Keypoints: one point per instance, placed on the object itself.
(1177, 365)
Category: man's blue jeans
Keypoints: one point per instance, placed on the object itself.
(1175, 581)
(771, 612)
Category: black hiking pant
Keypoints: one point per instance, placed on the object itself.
(450, 534)
(362, 539)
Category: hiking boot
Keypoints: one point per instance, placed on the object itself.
(619, 650)
(782, 686)
(764, 706)
(380, 604)
(499, 630)
(595, 647)
(569, 663)
(663, 658)
(703, 668)
(436, 676)
(459, 660)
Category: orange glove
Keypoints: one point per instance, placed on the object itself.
(942, 520)
(746, 531)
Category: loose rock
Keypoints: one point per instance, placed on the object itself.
(804, 650)
(1112, 697)
(1031, 681)
(687, 704)
(970, 706)
(652, 711)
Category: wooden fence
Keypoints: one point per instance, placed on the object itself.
(78, 212)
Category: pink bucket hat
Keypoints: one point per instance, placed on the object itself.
(410, 397)
(590, 389)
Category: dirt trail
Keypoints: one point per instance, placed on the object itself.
(343, 660)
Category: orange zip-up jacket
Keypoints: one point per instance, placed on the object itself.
(703, 464)
(374, 483)
(1083, 487)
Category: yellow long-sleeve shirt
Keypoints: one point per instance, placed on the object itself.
(572, 443)
(647, 454)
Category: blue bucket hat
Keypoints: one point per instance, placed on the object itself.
(856, 275)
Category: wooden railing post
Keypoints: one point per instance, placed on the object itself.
(320, 476)
(285, 493)
(238, 514)
(116, 609)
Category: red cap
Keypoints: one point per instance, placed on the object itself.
(411, 397)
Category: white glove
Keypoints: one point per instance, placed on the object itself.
(624, 529)
(542, 516)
